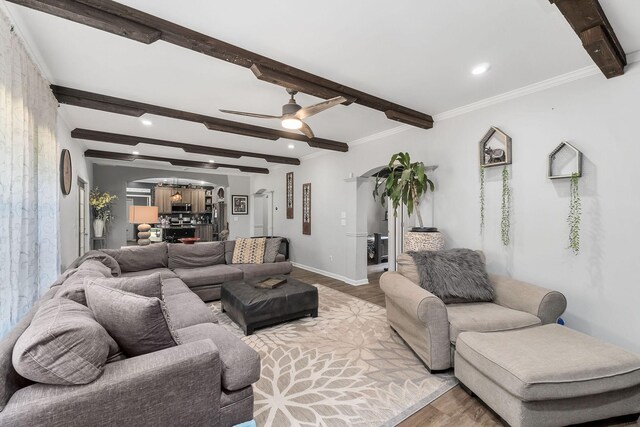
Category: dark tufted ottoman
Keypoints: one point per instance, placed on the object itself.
(252, 307)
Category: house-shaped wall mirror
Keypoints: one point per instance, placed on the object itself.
(564, 161)
(495, 148)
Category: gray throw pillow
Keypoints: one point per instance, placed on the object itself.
(271, 249)
(148, 286)
(196, 255)
(454, 275)
(140, 325)
(73, 286)
(138, 258)
(64, 344)
(229, 247)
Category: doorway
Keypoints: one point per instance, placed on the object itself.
(263, 213)
(135, 200)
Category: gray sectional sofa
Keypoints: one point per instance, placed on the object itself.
(203, 267)
(204, 380)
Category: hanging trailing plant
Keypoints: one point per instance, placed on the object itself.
(575, 212)
(505, 224)
(482, 201)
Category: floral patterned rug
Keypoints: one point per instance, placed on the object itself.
(344, 368)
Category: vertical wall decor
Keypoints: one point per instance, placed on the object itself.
(306, 208)
(575, 214)
(505, 223)
(290, 195)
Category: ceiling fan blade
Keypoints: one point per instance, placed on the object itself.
(319, 107)
(256, 115)
(306, 130)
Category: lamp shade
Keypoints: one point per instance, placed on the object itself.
(143, 214)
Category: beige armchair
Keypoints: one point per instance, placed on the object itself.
(431, 327)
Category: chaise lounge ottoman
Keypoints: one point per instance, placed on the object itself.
(548, 375)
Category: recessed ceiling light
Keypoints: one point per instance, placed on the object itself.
(212, 161)
(201, 182)
(135, 153)
(291, 146)
(481, 68)
(146, 122)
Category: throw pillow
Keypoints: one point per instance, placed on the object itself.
(454, 275)
(140, 325)
(271, 249)
(197, 255)
(64, 344)
(73, 286)
(148, 286)
(138, 258)
(249, 251)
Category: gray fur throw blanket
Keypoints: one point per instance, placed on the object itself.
(454, 275)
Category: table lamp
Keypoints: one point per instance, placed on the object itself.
(143, 215)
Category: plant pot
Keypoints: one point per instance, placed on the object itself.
(424, 230)
(98, 227)
(423, 241)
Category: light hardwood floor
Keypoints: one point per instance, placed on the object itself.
(454, 408)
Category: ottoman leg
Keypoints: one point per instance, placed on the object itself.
(248, 330)
(314, 313)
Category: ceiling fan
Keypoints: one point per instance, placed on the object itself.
(293, 114)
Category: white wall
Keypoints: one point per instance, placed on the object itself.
(375, 212)
(69, 212)
(599, 116)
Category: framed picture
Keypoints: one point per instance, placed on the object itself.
(239, 205)
(306, 208)
(290, 195)
(495, 148)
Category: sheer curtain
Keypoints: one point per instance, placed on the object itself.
(29, 180)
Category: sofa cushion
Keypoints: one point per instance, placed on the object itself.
(105, 259)
(165, 273)
(137, 258)
(271, 249)
(262, 270)
(486, 317)
(187, 309)
(73, 286)
(173, 286)
(550, 362)
(249, 251)
(196, 255)
(140, 325)
(454, 275)
(240, 363)
(63, 345)
(147, 286)
(208, 275)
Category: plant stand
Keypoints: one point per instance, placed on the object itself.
(423, 241)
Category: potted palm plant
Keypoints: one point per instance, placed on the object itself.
(406, 182)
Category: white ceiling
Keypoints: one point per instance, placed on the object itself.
(418, 54)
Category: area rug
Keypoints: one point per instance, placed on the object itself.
(344, 368)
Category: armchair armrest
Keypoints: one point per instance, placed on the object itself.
(548, 305)
(178, 384)
(419, 317)
(416, 301)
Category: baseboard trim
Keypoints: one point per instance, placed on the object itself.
(332, 275)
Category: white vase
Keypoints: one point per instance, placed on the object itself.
(98, 227)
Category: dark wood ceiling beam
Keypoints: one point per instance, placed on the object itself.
(269, 70)
(110, 155)
(94, 17)
(598, 38)
(285, 80)
(111, 104)
(130, 140)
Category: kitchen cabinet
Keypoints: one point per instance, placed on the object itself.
(186, 195)
(204, 232)
(197, 200)
(162, 199)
